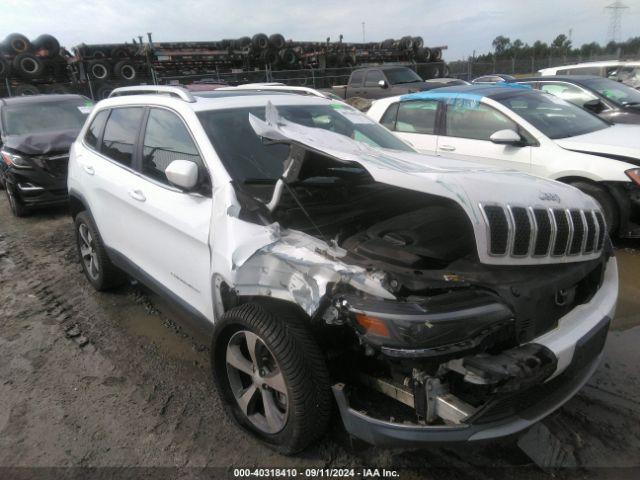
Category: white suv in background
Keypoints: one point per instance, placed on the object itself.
(327, 259)
(512, 126)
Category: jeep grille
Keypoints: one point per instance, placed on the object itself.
(539, 232)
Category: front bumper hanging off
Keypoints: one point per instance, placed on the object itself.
(577, 344)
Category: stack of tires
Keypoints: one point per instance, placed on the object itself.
(30, 67)
(272, 51)
(110, 66)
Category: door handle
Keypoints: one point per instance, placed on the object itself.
(137, 195)
(89, 169)
(447, 148)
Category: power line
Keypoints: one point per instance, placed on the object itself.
(615, 20)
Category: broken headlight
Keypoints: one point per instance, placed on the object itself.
(14, 160)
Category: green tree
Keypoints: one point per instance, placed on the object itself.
(500, 45)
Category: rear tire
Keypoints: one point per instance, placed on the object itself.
(97, 267)
(606, 202)
(282, 334)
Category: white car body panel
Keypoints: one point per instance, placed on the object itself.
(555, 159)
(190, 243)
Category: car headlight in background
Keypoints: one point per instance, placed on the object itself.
(634, 175)
(14, 160)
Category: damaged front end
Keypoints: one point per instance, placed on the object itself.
(433, 333)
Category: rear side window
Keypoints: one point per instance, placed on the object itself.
(93, 132)
(417, 117)
(166, 139)
(120, 134)
(356, 78)
(389, 117)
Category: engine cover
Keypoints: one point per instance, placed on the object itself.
(427, 238)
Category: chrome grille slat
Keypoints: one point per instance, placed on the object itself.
(529, 232)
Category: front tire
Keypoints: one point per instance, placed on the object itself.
(15, 204)
(97, 267)
(271, 375)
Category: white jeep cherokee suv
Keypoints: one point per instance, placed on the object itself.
(332, 265)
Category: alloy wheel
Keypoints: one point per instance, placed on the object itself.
(88, 252)
(257, 382)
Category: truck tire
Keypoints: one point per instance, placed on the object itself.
(57, 88)
(5, 68)
(97, 267)
(99, 69)
(17, 43)
(24, 89)
(269, 57)
(28, 65)
(418, 42)
(126, 70)
(606, 202)
(241, 43)
(260, 41)
(271, 375)
(277, 41)
(288, 57)
(436, 54)
(103, 91)
(119, 53)
(46, 45)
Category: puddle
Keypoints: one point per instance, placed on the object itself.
(628, 310)
(136, 320)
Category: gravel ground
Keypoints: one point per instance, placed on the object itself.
(98, 382)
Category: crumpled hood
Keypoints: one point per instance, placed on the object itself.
(42, 143)
(617, 140)
(467, 184)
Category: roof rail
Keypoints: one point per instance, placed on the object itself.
(178, 92)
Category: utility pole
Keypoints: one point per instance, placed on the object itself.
(615, 10)
(363, 32)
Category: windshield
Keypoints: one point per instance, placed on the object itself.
(615, 91)
(397, 76)
(26, 118)
(551, 115)
(248, 159)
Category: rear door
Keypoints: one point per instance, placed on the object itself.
(467, 127)
(356, 80)
(415, 122)
(168, 228)
(107, 171)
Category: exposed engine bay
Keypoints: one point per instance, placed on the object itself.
(455, 337)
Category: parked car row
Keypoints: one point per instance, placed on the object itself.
(334, 265)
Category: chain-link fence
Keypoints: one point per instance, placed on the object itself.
(470, 69)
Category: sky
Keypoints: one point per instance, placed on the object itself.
(462, 25)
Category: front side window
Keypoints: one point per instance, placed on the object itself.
(120, 134)
(166, 139)
(46, 116)
(372, 78)
(553, 116)
(93, 132)
(417, 117)
(568, 92)
(475, 120)
(248, 159)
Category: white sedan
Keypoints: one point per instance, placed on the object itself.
(513, 126)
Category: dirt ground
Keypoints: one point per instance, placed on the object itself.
(111, 384)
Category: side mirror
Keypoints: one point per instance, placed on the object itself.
(595, 105)
(382, 83)
(506, 137)
(182, 173)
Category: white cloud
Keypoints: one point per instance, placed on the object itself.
(464, 25)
